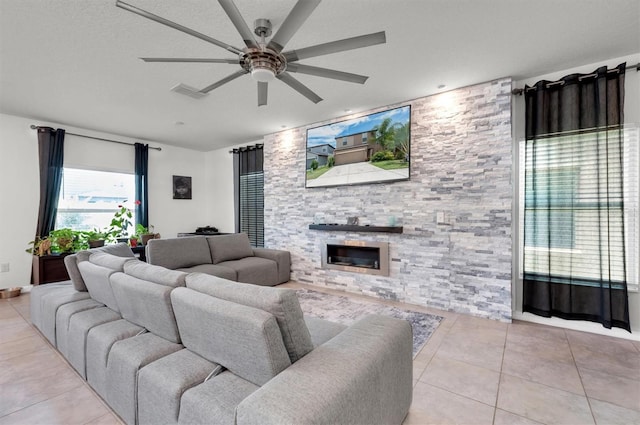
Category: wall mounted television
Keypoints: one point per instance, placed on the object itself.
(372, 148)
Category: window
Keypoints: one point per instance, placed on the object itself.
(88, 198)
(564, 193)
(249, 193)
(365, 138)
(344, 142)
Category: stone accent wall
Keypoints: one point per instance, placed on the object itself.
(461, 172)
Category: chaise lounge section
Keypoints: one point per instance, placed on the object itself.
(228, 256)
(166, 346)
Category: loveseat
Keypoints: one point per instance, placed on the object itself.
(163, 346)
(227, 256)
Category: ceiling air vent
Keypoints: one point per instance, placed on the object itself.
(188, 91)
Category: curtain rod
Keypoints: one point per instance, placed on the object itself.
(34, 127)
(520, 91)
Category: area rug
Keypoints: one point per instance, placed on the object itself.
(341, 309)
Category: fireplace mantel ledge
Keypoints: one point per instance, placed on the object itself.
(355, 228)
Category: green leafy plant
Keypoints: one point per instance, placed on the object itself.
(382, 156)
(65, 240)
(314, 164)
(39, 246)
(121, 221)
(331, 161)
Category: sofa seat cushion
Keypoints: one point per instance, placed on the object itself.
(126, 358)
(146, 304)
(45, 301)
(79, 326)
(177, 253)
(155, 274)
(256, 270)
(162, 383)
(281, 303)
(245, 340)
(63, 318)
(100, 339)
(229, 247)
(214, 270)
(322, 330)
(217, 398)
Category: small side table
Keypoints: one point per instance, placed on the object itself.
(139, 251)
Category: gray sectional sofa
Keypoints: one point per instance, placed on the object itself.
(227, 256)
(163, 346)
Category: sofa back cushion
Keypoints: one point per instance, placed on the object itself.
(71, 261)
(245, 340)
(175, 253)
(146, 304)
(96, 278)
(155, 274)
(281, 303)
(229, 247)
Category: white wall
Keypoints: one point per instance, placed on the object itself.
(219, 176)
(632, 116)
(19, 193)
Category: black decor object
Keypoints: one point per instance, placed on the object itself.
(574, 235)
(51, 157)
(181, 187)
(355, 228)
(142, 183)
(249, 192)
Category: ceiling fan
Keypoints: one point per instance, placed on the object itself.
(266, 61)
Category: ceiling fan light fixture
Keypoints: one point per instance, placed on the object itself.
(263, 75)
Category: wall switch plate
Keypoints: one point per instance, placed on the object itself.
(4, 267)
(440, 217)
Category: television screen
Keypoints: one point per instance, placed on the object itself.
(367, 149)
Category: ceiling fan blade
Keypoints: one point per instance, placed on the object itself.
(238, 21)
(225, 80)
(336, 46)
(286, 78)
(192, 60)
(262, 93)
(326, 73)
(178, 27)
(292, 23)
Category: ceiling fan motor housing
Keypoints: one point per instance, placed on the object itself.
(264, 65)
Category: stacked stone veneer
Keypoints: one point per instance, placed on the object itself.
(461, 165)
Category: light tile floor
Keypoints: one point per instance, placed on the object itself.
(471, 371)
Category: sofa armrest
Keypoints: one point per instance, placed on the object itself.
(361, 376)
(282, 258)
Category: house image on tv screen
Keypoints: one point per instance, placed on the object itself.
(320, 153)
(353, 148)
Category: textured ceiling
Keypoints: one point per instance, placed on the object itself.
(76, 62)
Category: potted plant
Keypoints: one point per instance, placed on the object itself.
(40, 246)
(145, 233)
(64, 240)
(96, 237)
(120, 223)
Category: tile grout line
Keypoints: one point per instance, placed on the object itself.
(504, 349)
(575, 364)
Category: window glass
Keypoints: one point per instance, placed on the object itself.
(89, 198)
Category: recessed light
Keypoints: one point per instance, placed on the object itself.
(179, 123)
(283, 126)
(441, 86)
(348, 111)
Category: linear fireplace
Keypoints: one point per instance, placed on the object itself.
(356, 256)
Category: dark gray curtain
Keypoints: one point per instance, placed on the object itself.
(142, 184)
(51, 156)
(249, 192)
(574, 247)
